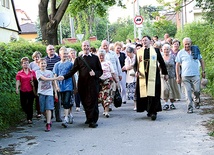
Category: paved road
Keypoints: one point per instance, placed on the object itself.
(124, 133)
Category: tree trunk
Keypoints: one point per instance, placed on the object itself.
(49, 23)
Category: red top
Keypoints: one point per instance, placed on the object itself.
(25, 80)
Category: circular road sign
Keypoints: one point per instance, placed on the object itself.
(138, 20)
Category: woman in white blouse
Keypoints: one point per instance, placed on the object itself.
(130, 76)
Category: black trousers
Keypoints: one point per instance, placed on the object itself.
(26, 100)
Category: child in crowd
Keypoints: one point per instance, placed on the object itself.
(45, 91)
(66, 86)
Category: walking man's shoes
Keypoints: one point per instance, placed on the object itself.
(153, 117)
(93, 125)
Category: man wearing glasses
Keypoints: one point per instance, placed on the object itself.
(51, 59)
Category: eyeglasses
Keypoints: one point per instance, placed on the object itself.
(51, 49)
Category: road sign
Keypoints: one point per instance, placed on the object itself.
(80, 37)
(138, 20)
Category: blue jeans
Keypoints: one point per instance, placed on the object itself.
(65, 98)
(191, 84)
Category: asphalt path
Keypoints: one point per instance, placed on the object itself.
(125, 132)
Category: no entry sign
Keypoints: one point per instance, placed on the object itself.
(138, 20)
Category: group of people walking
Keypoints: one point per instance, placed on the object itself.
(142, 72)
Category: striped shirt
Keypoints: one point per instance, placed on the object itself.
(51, 62)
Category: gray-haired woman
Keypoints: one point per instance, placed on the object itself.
(106, 81)
(130, 76)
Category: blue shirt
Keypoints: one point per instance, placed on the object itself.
(189, 66)
(62, 68)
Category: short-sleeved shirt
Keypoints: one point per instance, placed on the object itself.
(34, 66)
(108, 69)
(170, 66)
(25, 80)
(51, 62)
(189, 66)
(62, 68)
(44, 87)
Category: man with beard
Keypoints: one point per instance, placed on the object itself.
(90, 70)
(148, 88)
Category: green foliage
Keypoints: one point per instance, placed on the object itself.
(101, 28)
(10, 56)
(86, 13)
(202, 34)
(10, 110)
(164, 26)
(149, 12)
(100, 7)
(121, 30)
(159, 28)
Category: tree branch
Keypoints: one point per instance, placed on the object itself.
(53, 8)
(61, 10)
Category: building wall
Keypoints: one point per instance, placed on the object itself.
(191, 13)
(10, 29)
(6, 35)
(29, 37)
(10, 15)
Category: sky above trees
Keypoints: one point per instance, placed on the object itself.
(30, 7)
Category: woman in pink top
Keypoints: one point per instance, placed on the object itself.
(24, 86)
(106, 81)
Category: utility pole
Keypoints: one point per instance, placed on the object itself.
(133, 18)
(72, 26)
(60, 30)
(140, 26)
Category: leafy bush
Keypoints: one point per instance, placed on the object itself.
(10, 55)
(159, 28)
(10, 110)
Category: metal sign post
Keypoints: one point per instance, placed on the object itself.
(138, 20)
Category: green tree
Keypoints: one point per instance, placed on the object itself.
(164, 26)
(101, 28)
(121, 30)
(149, 12)
(208, 9)
(49, 20)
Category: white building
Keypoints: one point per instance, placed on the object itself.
(9, 26)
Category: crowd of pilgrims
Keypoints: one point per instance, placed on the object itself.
(64, 80)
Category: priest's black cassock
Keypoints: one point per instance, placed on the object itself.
(88, 86)
(151, 104)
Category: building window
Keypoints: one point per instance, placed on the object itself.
(3, 3)
(7, 4)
